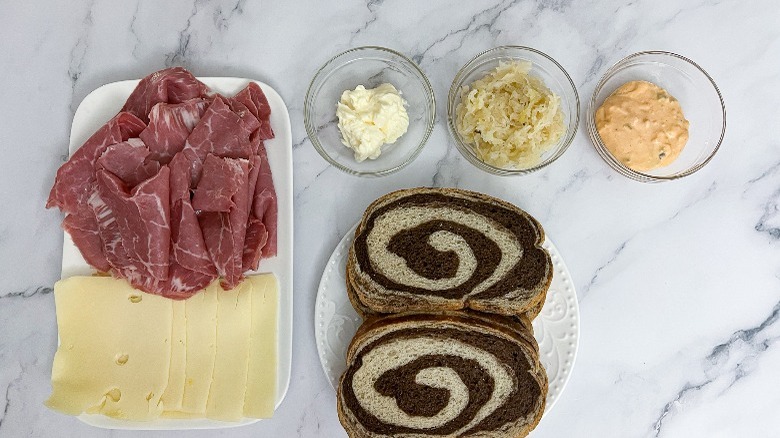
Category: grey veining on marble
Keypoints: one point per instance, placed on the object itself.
(679, 283)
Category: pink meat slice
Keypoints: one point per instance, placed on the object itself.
(219, 240)
(143, 218)
(180, 177)
(225, 183)
(249, 122)
(171, 85)
(75, 180)
(188, 248)
(220, 132)
(239, 216)
(254, 99)
(110, 236)
(83, 229)
(265, 203)
(256, 234)
(222, 178)
(181, 284)
(170, 125)
(130, 161)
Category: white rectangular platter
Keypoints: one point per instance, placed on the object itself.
(104, 103)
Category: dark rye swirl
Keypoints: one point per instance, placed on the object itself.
(430, 249)
(441, 375)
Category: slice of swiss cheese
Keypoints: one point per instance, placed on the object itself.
(201, 315)
(174, 392)
(228, 381)
(261, 388)
(115, 349)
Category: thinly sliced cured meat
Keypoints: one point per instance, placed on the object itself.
(239, 216)
(181, 177)
(143, 218)
(172, 85)
(219, 240)
(110, 236)
(176, 190)
(75, 179)
(188, 248)
(254, 99)
(219, 132)
(180, 284)
(249, 122)
(169, 127)
(130, 161)
(265, 203)
(222, 179)
(83, 229)
(256, 238)
(256, 235)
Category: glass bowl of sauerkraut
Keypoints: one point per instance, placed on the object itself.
(512, 110)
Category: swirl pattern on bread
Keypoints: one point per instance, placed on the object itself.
(447, 249)
(441, 375)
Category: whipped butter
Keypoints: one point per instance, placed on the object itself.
(370, 118)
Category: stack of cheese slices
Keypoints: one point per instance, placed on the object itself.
(448, 282)
(139, 357)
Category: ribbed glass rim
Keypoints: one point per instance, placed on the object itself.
(467, 151)
(309, 102)
(607, 155)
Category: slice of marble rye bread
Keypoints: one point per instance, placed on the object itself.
(429, 249)
(441, 375)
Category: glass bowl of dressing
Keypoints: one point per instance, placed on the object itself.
(685, 82)
(370, 67)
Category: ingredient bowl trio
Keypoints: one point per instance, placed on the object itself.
(512, 110)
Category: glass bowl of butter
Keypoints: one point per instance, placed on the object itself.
(369, 111)
(656, 116)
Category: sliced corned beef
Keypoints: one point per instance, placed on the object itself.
(130, 161)
(143, 218)
(170, 125)
(171, 85)
(75, 179)
(265, 205)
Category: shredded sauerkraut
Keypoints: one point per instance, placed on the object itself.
(510, 117)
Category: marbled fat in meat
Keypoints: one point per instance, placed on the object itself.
(143, 218)
(75, 180)
(265, 203)
(170, 125)
(171, 85)
(130, 161)
(222, 178)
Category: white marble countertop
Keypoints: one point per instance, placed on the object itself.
(679, 283)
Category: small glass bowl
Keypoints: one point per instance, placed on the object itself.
(544, 67)
(701, 102)
(368, 66)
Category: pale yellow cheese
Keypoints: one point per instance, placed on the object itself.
(261, 378)
(114, 351)
(174, 392)
(228, 382)
(201, 315)
(136, 356)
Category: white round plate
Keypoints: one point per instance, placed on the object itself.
(556, 329)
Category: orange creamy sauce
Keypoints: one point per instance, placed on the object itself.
(642, 125)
